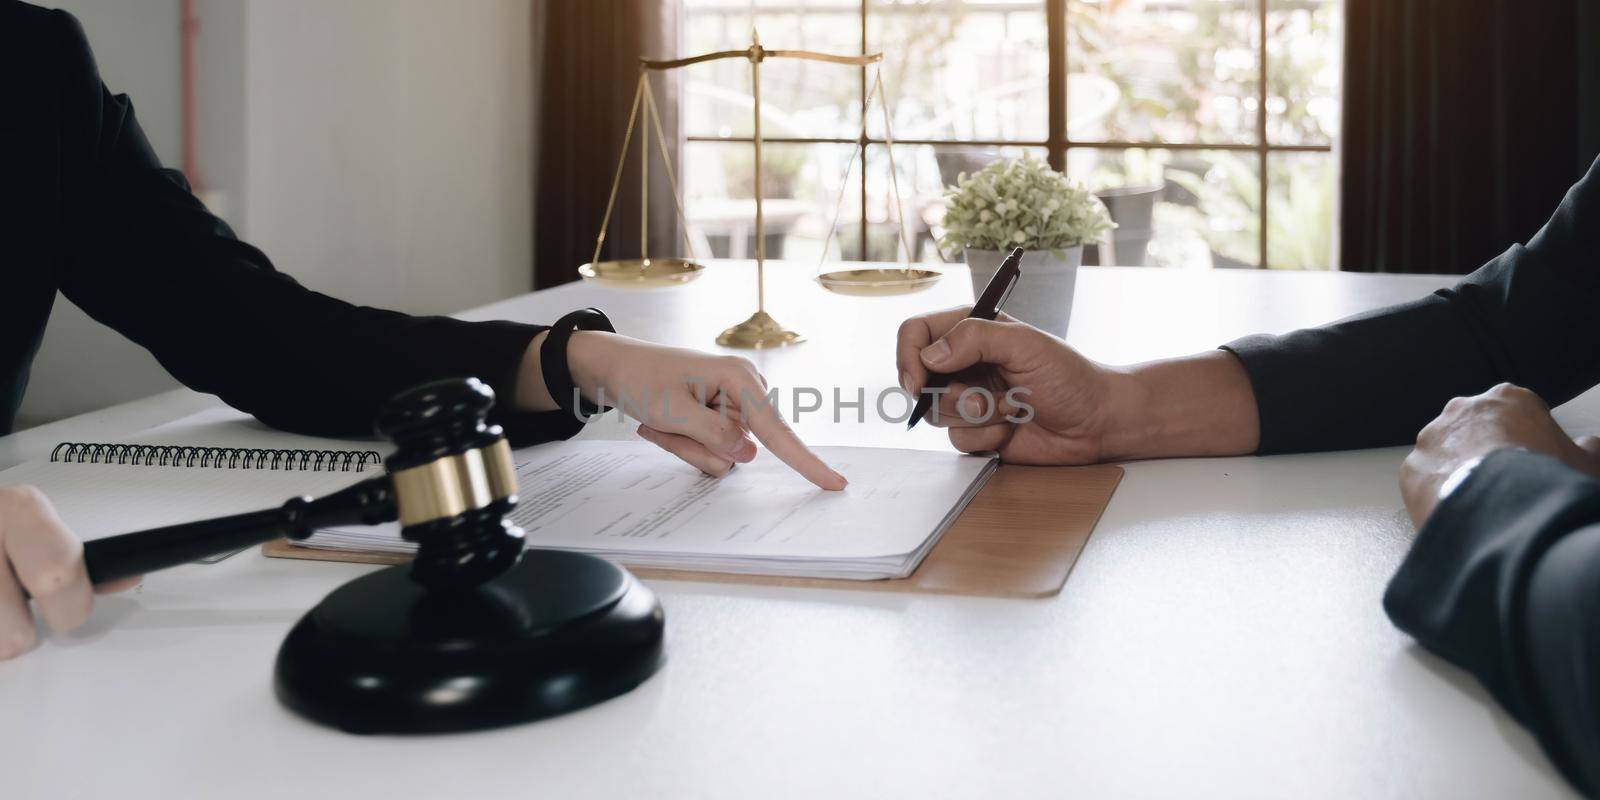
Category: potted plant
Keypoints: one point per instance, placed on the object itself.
(1025, 203)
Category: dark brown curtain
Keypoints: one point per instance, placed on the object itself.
(1464, 123)
(589, 53)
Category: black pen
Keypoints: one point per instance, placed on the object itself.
(988, 307)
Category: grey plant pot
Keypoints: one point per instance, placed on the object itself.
(1043, 297)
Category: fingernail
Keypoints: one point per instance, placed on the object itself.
(842, 482)
(936, 352)
(905, 381)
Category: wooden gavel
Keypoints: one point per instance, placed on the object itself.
(450, 482)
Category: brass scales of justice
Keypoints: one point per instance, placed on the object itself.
(760, 330)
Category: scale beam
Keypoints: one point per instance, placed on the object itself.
(759, 53)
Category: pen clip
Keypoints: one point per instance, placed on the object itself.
(1012, 267)
(1006, 295)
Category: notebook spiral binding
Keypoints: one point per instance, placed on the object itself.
(173, 455)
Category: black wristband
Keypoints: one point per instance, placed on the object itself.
(553, 360)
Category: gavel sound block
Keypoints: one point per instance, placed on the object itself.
(476, 632)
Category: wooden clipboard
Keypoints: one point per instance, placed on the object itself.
(1019, 537)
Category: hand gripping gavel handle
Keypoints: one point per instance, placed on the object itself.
(368, 503)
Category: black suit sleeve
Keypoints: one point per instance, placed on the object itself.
(1376, 379)
(139, 253)
(1504, 581)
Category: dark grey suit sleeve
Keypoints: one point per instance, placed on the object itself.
(1376, 379)
(1504, 581)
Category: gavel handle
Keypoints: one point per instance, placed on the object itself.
(159, 548)
(368, 503)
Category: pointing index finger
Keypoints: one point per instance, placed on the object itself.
(772, 430)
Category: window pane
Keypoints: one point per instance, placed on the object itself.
(798, 98)
(1162, 70)
(1300, 192)
(805, 183)
(1177, 208)
(924, 171)
(1303, 70)
(963, 70)
(801, 186)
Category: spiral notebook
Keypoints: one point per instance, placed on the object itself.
(206, 465)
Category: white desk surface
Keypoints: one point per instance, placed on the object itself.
(1221, 635)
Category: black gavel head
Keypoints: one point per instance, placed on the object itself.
(454, 483)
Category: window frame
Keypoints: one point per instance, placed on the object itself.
(1057, 142)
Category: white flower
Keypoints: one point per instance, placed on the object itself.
(1033, 206)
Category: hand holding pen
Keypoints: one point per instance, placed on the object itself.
(987, 308)
(1041, 402)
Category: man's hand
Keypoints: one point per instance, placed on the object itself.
(1058, 402)
(1066, 409)
(40, 556)
(1473, 427)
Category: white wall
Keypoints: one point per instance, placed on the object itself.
(376, 150)
(389, 155)
(221, 110)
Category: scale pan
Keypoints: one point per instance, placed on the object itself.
(878, 282)
(642, 274)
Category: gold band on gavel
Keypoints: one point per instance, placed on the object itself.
(456, 484)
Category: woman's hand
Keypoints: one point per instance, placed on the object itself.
(39, 556)
(702, 408)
